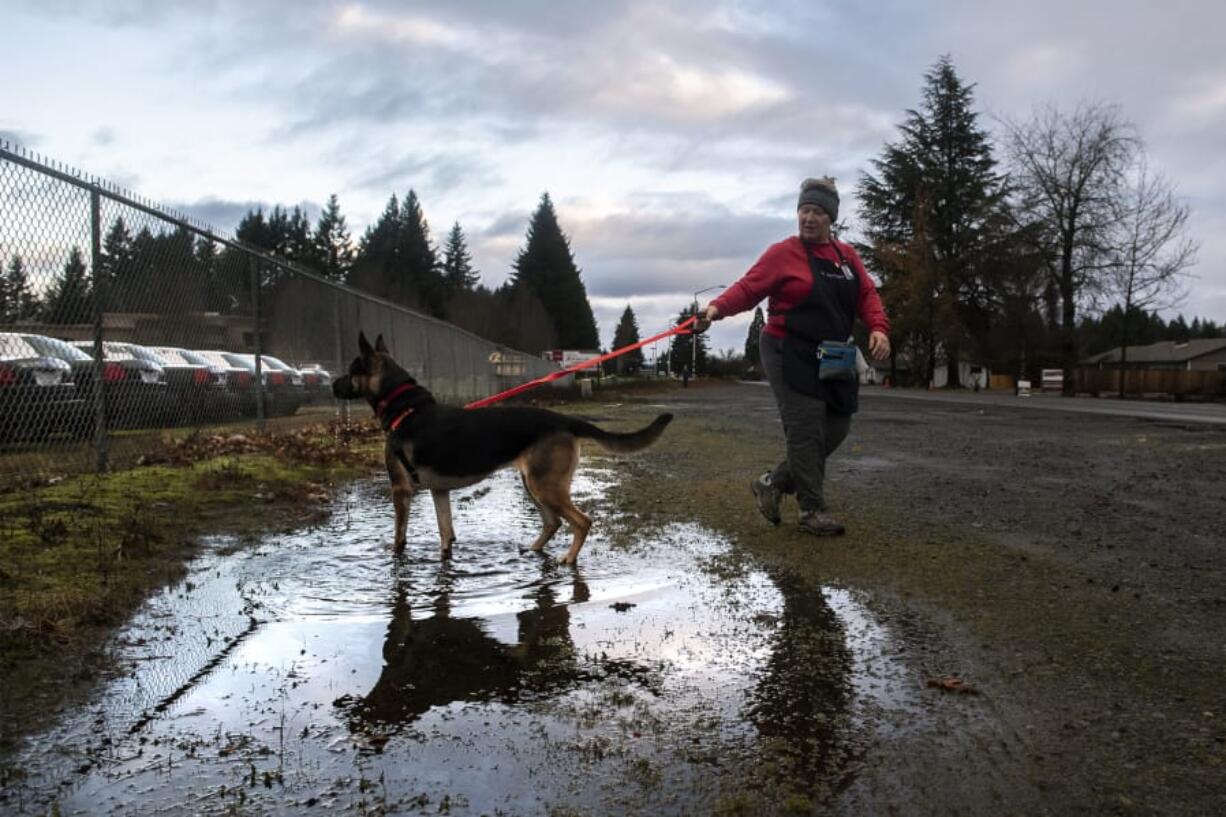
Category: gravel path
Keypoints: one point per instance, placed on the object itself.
(1069, 566)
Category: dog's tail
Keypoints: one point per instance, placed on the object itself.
(622, 443)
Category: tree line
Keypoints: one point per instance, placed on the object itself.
(1002, 251)
(542, 305)
(1052, 241)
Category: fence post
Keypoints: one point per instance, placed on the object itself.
(101, 440)
(339, 350)
(259, 369)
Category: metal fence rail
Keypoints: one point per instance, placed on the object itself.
(117, 317)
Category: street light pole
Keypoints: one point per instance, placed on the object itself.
(694, 337)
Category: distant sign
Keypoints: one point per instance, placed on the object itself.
(565, 358)
(1053, 380)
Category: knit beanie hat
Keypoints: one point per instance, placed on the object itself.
(825, 197)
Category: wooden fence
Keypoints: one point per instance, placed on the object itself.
(1176, 383)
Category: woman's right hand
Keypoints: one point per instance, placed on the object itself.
(705, 318)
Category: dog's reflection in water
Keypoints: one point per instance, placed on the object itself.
(435, 659)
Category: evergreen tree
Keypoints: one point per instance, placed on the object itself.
(1178, 330)
(627, 333)
(17, 299)
(397, 261)
(753, 357)
(71, 297)
(422, 277)
(682, 353)
(117, 263)
(523, 323)
(458, 271)
(253, 230)
(546, 268)
(180, 286)
(377, 253)
(332, 247)
(942, 170)
(289, 235)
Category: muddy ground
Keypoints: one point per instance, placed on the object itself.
(1070, 568)
(1063, 573)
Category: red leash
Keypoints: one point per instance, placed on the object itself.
(682, 328)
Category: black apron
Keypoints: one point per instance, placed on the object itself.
(827, 313)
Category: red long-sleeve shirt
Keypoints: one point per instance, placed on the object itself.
(782, 274)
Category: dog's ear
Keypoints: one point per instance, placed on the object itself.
(364, 345)
(380, 346)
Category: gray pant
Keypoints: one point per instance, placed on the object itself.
(812, 433)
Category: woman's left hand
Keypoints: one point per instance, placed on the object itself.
(879, 346)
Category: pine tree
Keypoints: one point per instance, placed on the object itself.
(546, 268)
(681, 353)
(523, 322)
(753, 356)
(253, 230)
(373, 268)
(627, 333)
(422, 274)
(942, 170)
(458, 271)
(332, 246)
(397, 261)
(71, 298)
(17, 299)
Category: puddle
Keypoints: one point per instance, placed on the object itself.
(318, 671)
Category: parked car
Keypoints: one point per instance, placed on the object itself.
(227, 383)
(318, 382)
(37, 393)
(136, 392)
(239, 380)
(296, 378)
(281, 397)
(194, 391)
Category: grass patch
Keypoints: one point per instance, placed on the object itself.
(86, 549)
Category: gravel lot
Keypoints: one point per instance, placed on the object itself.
(1067, 566)
(1064, 569)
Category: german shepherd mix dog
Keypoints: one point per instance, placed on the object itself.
(442, 448)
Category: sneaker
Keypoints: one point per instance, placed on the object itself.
(820, 524)
(768, 498)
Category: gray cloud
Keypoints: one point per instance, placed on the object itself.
(746, 95)
(430, 173)
(223, 216)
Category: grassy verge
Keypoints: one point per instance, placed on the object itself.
(77, 556)
(82, 551)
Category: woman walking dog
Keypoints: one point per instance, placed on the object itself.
(816, 287)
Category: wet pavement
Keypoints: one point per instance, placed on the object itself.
(315, 671)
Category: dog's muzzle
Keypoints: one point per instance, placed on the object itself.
(342, 388)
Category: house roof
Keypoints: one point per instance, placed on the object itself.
(1166, 351)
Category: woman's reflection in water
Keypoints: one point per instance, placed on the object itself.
(801, 704)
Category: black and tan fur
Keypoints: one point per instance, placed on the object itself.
(442, 448)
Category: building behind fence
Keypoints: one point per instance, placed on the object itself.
(179, 326)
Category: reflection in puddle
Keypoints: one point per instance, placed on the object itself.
(319, 670)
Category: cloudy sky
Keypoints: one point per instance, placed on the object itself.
(671, 135)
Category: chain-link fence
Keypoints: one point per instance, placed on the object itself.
(117, 317)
